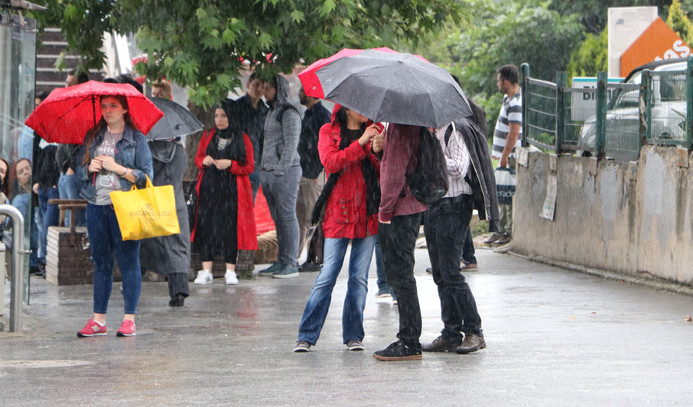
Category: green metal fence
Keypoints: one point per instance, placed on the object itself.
(655, 108)
(540, 97)
(622, 122)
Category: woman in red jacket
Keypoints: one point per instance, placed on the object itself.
(224, 217)
(351, 211)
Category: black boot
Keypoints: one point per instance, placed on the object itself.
(177, 301)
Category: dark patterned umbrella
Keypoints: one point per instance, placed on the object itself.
(177, 123)
(389, 87)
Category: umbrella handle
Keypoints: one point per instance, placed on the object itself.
(93, 108)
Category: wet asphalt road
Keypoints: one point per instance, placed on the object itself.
(554, 338)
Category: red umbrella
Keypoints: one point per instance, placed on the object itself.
(67, 114)
(309, 77)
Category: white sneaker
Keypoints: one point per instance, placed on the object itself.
(230, 277)
(204, 277)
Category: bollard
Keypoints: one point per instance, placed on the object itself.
(17, 265)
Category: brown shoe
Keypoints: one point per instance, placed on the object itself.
(493, 239)
(505, 239)
(439, 344)
(471, 343)
(470, 267)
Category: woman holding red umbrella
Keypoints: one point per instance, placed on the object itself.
(352, 195)
(114, 156)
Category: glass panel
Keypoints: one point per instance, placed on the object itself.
(17, 78)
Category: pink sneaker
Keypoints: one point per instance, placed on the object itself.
(92, 328)
(127, 328)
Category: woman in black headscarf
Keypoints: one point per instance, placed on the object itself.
(224, 217)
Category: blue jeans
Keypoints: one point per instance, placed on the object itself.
(106, 242)
(281, 192)
(22, 202)
(68, 187)
(50, 216)
(33, 244)
(357, 287)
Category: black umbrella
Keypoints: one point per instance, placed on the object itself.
(177, 123)
(393, 87)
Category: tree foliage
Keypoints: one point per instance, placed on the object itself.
(511, 33)
(679, 22)
(591, 57)
(203, 43)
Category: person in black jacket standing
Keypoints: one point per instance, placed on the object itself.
(312, 180)
(252, 111)
(46, 187)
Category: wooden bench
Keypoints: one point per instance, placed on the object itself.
(72, 205)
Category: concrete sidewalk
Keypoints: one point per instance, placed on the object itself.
(554, 337)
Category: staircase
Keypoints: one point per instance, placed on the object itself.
(48, 77)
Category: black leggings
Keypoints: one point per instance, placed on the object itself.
(207, 254)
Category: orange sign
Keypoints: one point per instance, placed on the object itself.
(657, 42)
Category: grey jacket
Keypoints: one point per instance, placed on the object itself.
(282, 132)
(480, 177)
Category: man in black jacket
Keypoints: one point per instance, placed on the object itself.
(312, 180)
(252, 112)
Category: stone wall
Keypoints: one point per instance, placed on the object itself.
(633, 218)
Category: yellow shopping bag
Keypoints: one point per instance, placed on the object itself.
(147, 212)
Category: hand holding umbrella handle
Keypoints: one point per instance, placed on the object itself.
(378, 143)
(95, 165)
(108, 163)
(370, 132)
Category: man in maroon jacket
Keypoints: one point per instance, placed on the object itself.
(400, 217)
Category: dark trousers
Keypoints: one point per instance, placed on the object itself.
(398, 241)
(468, 248)
(315, 247)
(170, 255)
(445, 226)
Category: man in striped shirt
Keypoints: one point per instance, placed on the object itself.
(507, 136)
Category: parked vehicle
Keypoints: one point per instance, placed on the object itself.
(668, 113)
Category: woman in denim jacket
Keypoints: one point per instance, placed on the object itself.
(114, 156)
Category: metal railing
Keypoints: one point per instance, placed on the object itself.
(17, 269)
(623, 117)
(542, 122)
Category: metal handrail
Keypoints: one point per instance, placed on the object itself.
(17, 264)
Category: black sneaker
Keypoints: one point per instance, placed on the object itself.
(309, 266)
(399, 351)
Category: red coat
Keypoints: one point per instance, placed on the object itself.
(247, 236)
(345, 213)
